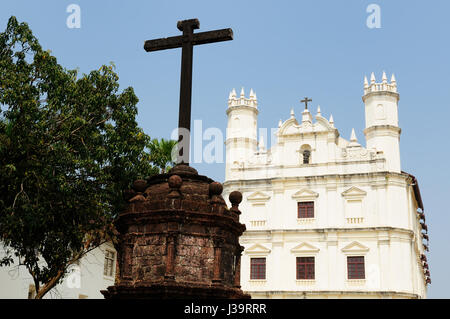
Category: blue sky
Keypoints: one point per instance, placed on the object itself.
(284, 50)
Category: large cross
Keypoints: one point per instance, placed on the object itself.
(306, 100)
(186, 42)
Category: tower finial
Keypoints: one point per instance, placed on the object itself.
(384, 77)
(232, 94)
(331, 120)
(372, 78)
(242, 92)
(353, 140)
(280, 123)
(252, 94)
(292, 113)
(353, 136)
(318, 110)
(366, 83)
(393, 81)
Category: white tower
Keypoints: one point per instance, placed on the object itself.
(382, 131)
(241, 142)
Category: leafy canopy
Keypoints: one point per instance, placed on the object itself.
(69, 145)
(163, 153)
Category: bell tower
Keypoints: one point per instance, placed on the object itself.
(381, 109)
(241, 142)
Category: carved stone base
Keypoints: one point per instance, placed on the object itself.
(178, 239)
(173, 290)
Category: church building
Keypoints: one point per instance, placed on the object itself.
(327, 217)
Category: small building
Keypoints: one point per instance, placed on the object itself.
(84, 279)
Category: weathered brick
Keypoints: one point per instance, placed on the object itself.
(177, 237)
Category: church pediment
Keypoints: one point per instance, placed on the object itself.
(305, 194)
(322, 124)
(292, 127)
(355, 247)
(354, 193)
(291, 130)
(289, 127)
(257, 249)
(258, 197)
(304, 248)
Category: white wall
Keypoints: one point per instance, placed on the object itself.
(15, 281)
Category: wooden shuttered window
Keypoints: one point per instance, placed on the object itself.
(258, 268)
(306, 210)
(305, 268)
(355, 267)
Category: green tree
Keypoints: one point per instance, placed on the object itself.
(162, 154)
(69, 145)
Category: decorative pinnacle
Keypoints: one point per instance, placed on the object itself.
(233, 93)
(353, 136)
(242, 92)
(383, 87)
(140, 185)
(215, 188)
(280, 123)
(393, 81)
(252, 95)
(353, 140)
(318, 110)
(384, 77)
(331, 121)
(292, 113)
(235, 199)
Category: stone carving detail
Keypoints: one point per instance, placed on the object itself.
(356, 153)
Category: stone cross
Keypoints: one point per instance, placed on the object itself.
(187, 42)
(306, 100)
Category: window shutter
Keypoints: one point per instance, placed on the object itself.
(355, 267)
(306, 210)
(258, 268)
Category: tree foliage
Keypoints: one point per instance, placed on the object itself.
(69, 145)
(162, 153)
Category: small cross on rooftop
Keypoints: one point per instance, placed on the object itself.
(306, 100)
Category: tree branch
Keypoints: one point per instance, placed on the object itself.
(17, 195)
(50, 284)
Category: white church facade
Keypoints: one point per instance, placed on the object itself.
(327, 217)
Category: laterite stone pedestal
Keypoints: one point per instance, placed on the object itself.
(178, 239)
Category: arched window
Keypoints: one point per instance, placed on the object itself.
(306, 156)
(305, 150)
